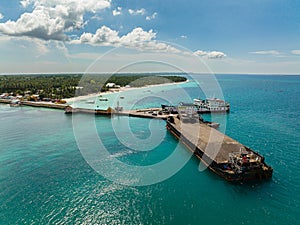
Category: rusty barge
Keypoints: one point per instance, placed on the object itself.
(221, 154)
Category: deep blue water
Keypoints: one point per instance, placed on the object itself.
(44, 179)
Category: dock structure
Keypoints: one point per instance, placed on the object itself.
(5, 101)
(35, 104)
(150, 113)
(44, 104)
(223, 155)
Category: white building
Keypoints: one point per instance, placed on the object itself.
(110, 85)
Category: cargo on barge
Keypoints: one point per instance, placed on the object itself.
(220, 153)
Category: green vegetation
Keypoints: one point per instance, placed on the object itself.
(46, 86)
(67, 86)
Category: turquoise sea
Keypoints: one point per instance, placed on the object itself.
(44, 179)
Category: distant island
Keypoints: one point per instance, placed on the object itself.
(56, 87)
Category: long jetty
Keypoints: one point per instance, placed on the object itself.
(151, 113)
(44, 104)
(37, 104)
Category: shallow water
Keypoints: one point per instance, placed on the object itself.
(44, 179)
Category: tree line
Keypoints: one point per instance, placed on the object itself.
(70, 85)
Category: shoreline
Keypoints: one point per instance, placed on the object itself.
(70, 101)
(122, 89)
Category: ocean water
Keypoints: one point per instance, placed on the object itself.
(44, 178)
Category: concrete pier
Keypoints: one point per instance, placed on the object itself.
(44, 104)
(37, 104)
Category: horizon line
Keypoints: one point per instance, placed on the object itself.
(138, 72)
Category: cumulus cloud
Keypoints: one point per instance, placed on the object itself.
(51, 19)
(295, 52)
(96, 17)
(117, 11)
(183, 36)
(137, 39)
(104, 36)
(210, 55)
(26, 3)
(270, 52)
(78, 5)
(1, 16)
(141, 11)
(152, 17)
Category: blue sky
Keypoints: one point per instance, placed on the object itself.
(232, 36)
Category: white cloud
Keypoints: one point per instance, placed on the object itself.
(26, 3)
(1, 16)
(141, 11)
(33, 47)
(295, 52)
(41, 47)
(210, 55)
(78, 5)
(104, 36)
(273, 53)
(152, 17)
(183, 36)
(270, 52)
(136, 39)
(51, 19)
(96, 17)
(117, 12)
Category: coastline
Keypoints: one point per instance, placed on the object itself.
(119, 90)
(70, 101)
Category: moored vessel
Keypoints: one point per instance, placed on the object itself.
(211, 105)
(221, 154)
(15, 103)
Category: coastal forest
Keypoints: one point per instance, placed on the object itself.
(69, 85)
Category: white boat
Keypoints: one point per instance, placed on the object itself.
(90, 101)
(15, 103)
(211, 105)
(103, 99)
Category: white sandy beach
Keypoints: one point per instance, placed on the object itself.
(122, 89)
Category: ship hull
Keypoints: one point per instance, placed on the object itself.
(229, 175)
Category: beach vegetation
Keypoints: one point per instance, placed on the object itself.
(70, 85)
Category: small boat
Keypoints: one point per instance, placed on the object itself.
(212, 124)
(169, 109)
(90, 101)
(103, 99)
(15, 103)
